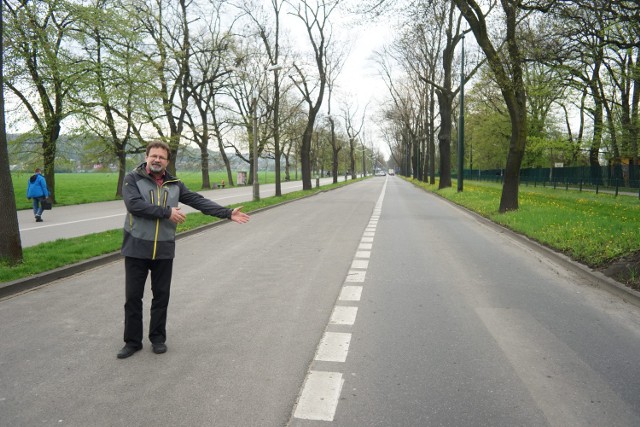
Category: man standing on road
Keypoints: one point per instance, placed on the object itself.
(37, 190)
(151, 196)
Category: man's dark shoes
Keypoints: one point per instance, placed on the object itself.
(159, 348)
(127, 351)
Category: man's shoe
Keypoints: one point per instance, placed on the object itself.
(159, 348)
(38, 218)
(127, 351)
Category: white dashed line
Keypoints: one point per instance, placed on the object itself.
(351, 293)
(360, 263)
(343, 315)
(363, 254)
(319, 398)
(356, 276)
(321, 391)
(334, 347)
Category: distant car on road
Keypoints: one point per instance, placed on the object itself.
(380, 173)
(392, 172)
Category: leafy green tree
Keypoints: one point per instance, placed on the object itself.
(40, 68)
(487, 125)
(111, 95)
(315, 17)
(506, 63)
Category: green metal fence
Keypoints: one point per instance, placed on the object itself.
(616, 178)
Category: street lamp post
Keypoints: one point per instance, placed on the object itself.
(254, 149)
(461, 125)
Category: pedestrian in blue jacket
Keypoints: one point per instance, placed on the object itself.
(151, 196)
(37, 191)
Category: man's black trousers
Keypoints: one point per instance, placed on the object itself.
(136, 272)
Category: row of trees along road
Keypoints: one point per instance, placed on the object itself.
(196, 71)
(548, 80)
(119, 73)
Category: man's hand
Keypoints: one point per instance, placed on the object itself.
(177, 217)
(239, 217)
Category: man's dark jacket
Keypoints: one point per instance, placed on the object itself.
(148, 232)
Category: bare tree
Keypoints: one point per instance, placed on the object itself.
(315, 18)
(271, 40)
(210, 72)
(405, 112)
(353, 128)
(333, 70)
(167, 25)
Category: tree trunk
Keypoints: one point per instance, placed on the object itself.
(49, 154)
(10, 244)
(352, 158)
(511, 186)
(594, 150)
(305, 156)
(204, 166)
(432, 138)
(122, 170)
(444, 140)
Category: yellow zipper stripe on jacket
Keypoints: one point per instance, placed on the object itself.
(159, 203)
(155, 237)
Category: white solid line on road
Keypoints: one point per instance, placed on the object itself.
(343, 315)
(71, 222)
(333, 347)
(319, 398)
(351, 293)
(356, 276)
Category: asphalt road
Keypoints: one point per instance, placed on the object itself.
(376, 304)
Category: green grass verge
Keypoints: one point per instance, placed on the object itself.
(593, 229)
(59, 253)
